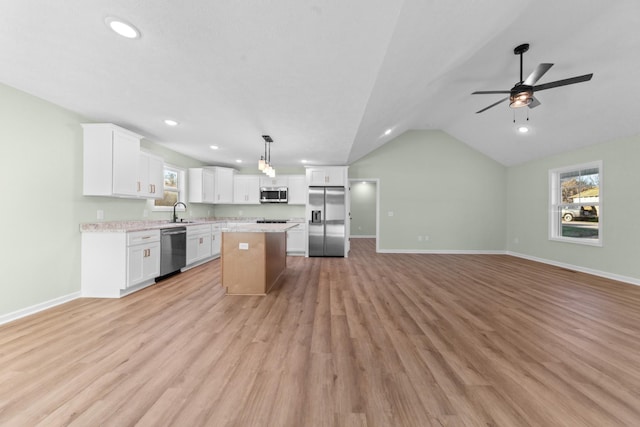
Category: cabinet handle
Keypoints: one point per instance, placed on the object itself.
(201, 240)
(138, 186)
(145, 237)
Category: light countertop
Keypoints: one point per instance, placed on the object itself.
(257, 228)
(243, 224)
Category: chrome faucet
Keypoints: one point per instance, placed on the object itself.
(175, 217)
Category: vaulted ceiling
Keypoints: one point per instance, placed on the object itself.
(327, 79)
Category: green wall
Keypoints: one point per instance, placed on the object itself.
(41, 169)
(436, 186)
(528, 210)
(363, 208)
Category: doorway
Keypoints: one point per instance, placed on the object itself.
(363, 209)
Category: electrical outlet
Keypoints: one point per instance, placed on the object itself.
(243, 246)
(100, 214)
(516, 240)
(390, 213)
(426, 238)
(239, 213)
(145, 213)
(419, 238)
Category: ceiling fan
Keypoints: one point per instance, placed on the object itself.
(521, 95)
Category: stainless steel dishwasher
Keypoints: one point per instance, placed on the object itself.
(173, 249)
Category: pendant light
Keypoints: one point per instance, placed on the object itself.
(264, 164)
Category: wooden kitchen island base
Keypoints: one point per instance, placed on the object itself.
(252, 262)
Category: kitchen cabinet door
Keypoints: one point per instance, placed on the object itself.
(277, 181)
(143, 263)
(246, 189)
(296, 240)
(110, 160)
(198, 243)
(201, 185)
(223, 185)
(216, 240)
(297, 190)
(150, 177)
(126, 151)
(327, 176)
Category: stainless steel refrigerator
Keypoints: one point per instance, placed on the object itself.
(327, 231)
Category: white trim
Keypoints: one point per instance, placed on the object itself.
(15, 315)
(442, 251)
(372, 236)
(377, 182)
(555, 204)
(599, 273)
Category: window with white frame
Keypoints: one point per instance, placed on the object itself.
(576, 204)
(174, 188)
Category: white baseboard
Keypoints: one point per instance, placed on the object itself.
(9, 317)
(441, 251)
(605, 274)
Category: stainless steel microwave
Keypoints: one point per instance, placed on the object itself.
(273, 195)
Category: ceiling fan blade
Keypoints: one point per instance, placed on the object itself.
(492, 105)
(489, 92)
(572, 80)
(536, 74)
(534, 103)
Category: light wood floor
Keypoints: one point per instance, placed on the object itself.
(372, 340)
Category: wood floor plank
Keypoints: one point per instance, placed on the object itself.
(370, 340)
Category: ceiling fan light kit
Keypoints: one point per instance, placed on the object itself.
(521, 94)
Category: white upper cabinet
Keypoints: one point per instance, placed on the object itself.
(110, 161)
(277, 181)
(223, 184)
(212, 184)
(246, 189)
(327, 176)
(150, 176)
(201, 185)
(297, 190)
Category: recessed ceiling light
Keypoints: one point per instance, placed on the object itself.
(170, 122)
(523, 129)
(387, 132)
(213, 147)
(238, 161)
(304, 161)
(122, 27)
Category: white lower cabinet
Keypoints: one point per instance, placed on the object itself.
(296, 239)
(143, 263)
(198, 243)
(216, 240)
(115, 264)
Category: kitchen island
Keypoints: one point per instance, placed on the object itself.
(254, 256)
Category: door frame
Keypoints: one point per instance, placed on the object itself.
(376, 181)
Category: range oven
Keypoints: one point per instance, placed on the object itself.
(273, 195)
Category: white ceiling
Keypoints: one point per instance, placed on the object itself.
(326, 78)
